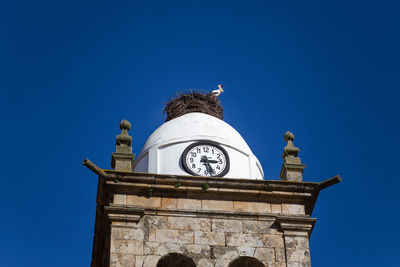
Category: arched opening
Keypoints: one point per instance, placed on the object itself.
(175, 260)
(246, 262)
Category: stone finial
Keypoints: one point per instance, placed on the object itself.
(125, 125)
(123, 142)
(122, 158)
(290, 152)
(292, 169)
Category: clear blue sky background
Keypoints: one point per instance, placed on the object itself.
(326, 70)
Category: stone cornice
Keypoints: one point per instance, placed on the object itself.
(168, 191)
(134, 213)
(217, 188)
(213, 182)
(301, 223)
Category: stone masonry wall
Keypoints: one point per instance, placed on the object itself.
(222, 232)
(209, 242)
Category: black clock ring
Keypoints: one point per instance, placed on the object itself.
(208, 143)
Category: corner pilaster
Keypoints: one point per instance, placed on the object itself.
(296, 234)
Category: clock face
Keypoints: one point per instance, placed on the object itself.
(205, 159)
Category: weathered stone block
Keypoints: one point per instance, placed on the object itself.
(238, 239)
(209, 238)
(205, 263)
(122, 260)
(294, 175)
(120, 199)
(198, 251)
(169, 202)
(259, 207)
(154, 202)
(135, 247)
(279, 254)
(174, 236)
(127, 246)
(219, 251)
(298, 264)
(276, 208)
(273, 241)
(227, 226)
(175, 248)
(277, 264)
(293, 209)
(139, 261)
(191, 204)
(273, 230)
(158, 248)
(225, 259)
(158, 222)
(154, 248)
(152, 235)
(300, 242)
(245, 251)
(180, 223)
(265, 254)
(299, 255)
(125, 166)
(151, 261)
(256, 226)
(127, 234)
(222, 205)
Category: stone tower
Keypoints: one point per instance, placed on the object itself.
(196, 196)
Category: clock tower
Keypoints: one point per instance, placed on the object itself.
(196, 196)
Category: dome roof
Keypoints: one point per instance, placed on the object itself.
(197, 126)
(188, 128)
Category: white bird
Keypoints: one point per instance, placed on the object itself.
(218, 91)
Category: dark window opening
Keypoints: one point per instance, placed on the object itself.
(175, 260)
(246, 262)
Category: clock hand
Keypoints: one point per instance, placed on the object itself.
(204, 158)
(210, 169)
(207, 163)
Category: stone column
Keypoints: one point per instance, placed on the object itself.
(292, 169)
(122, 159)
(296, 233)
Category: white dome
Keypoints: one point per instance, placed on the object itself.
(163, 149)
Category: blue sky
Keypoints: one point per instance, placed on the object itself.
(326, 70)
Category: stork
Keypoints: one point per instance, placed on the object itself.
(218, 91)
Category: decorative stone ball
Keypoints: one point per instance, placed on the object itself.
(288, 136)
(125, 125)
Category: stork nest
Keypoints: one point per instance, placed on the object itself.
(193, 101)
